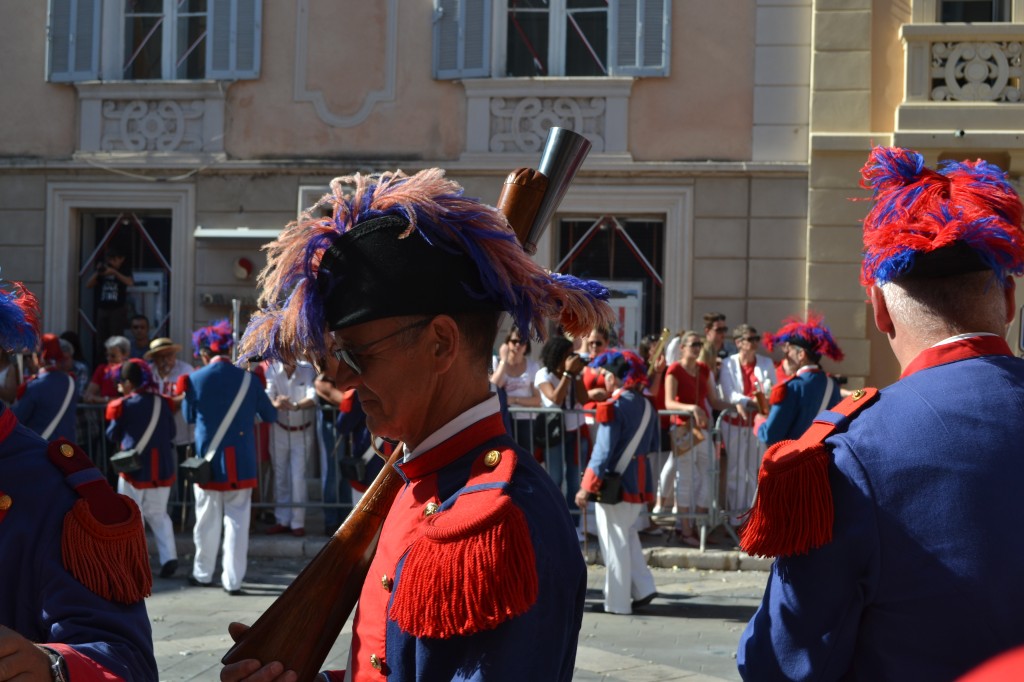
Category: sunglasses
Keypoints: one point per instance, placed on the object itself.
(752, 339)
(515, 342)
(695, 344)
(349, 355)
(720, 330)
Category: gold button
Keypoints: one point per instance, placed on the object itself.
(67, 450)
(386, 582)
(492, 458)
(376, 662)
(857, 395)
(431, 508)
(5, 502)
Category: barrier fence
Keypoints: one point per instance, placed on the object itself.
(710, 486)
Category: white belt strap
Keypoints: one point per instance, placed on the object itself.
(828, 394)
(228, 418)
(634, 442)
(63, 408)
(140, 446)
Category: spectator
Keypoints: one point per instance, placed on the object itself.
(142, 421)
(689, 387)
(291, 390)
(713, 351)
(897, 552)
(111, 279)
(103, 386)
(746, 380)
(140, 336)
(627, 430)
(795, 403)
(656, 369)
(223, 402)
(72, 598)
(560, 383)
(596, 343)
(335, 445)
(514, 372)
(47, 402)
(79, 365)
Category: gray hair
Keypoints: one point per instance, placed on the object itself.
(946, 306)
(119, 342)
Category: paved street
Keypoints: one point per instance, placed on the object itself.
(689, 633)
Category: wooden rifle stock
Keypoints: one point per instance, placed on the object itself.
(301, 626)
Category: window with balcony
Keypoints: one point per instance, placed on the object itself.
(167, 40)
(568, 38)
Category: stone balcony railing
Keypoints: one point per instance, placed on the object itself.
(963, 76)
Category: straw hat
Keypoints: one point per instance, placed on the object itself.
(161, 344)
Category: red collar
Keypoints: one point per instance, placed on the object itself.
(7, 423)
(457, 446)
(972, 347)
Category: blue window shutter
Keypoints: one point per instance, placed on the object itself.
(233, 39)
(639, 40)
(73, 41)
(462, 39)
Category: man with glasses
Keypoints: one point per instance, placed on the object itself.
(795, 403)
(140, 336)
(746, 381)
(402, 286)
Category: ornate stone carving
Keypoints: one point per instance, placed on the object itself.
(976, 71)
(520, 124)
(152, 125)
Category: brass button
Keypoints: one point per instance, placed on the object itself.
(431, 508)
(492, 458)
(5, 502)
(376, 662)
(67, 450)
(386, 582)
(857, 395)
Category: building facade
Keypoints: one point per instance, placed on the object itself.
(727, 138)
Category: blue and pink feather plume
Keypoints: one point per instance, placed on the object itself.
(625, 364)
(19, 318)
(217, 337)
(812, 334)
(918, 210)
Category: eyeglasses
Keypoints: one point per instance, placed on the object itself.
(348, 355)
(515, 342)
(695, 344)
(753, 339)
(720, 330)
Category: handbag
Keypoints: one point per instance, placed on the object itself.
(128, 461)
(198, 470)
(547, 429)
(684, 437)
(611, 484)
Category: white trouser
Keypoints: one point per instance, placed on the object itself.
(690, 473)
(743, 452)
(288, 451)
(153, 505)
(211, 507)
(627, 576)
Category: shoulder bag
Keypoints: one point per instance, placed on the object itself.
(127, 461)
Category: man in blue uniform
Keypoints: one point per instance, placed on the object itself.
(223, 402)
(76, 614)
(478, 573)
(46, 402)
(894, 516)
(795, 402)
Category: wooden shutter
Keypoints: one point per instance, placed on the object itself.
(233, 48)
(462, 39)
(73, 41)
(639, 37)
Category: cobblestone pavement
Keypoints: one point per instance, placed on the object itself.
(688, 633)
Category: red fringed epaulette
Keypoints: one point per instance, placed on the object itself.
(114, 408)
(793, 512)
(605, 412)
(474, 566)
(103, 544)
(778, 393)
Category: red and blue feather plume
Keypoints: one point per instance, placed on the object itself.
(19, 318)
(217, 337)
(291, 323)
(625, 364)
(918, 210)
(812, 335)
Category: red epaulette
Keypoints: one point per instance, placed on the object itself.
(182, 384)
(605, 412)
(778, 393)
(793, 512)
(20, 392)
(103, 544)
(481, 541)
(114, 409)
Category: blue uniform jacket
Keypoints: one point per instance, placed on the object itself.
(129, 418)
(923, 577)
(38, 598)
(801, 400)
(42, 399)
(209, 393)
(625, 415)
(539, 644)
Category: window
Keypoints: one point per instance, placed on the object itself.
(153, 40)
(572, 38)
(974, 11)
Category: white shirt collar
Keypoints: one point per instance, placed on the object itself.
(460, 423)
(961, 337)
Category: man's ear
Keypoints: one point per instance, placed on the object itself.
(447, 340)
(1010, 294)
(883, 321)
